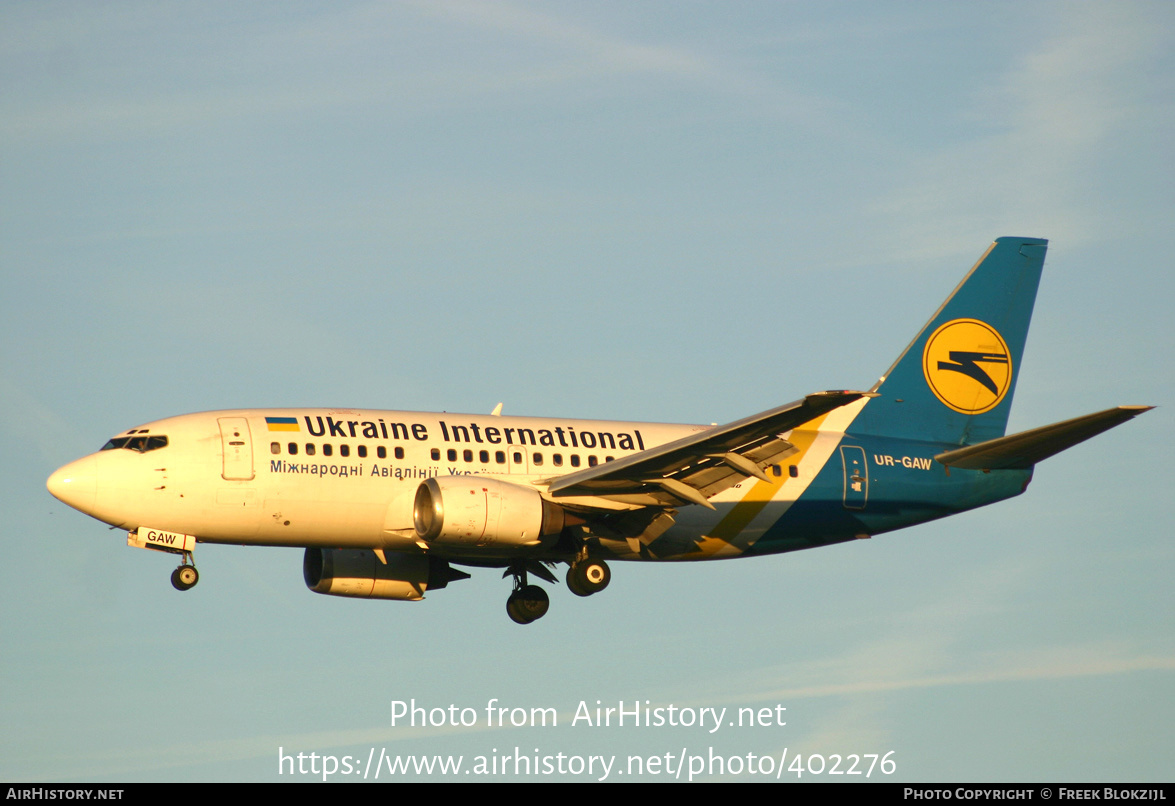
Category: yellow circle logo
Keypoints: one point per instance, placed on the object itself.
(967, 365)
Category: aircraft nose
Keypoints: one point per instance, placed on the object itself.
(75, 484)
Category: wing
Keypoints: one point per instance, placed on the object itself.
(693, 469)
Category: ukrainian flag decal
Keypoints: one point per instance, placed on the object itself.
(282, 423)
(967, 365)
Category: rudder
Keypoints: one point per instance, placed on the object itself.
(954, 382)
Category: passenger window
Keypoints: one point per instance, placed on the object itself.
(327, 449)
(452, 454)
(500, 457)
(575, 460)
(537, 459)
(399, 453)
(344, 450)
(275, 447)
(776, 470)
(467, 455)
(557, 458)
(517, 457)
(793, 471)
(484, 457)
(435, 453)
(607, 458)
(381, 452)
(362, 451)
(592, 461)
(293, 446)
(309, 448)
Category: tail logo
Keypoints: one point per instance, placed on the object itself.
(968, 366)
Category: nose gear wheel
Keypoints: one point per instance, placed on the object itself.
(185, 576)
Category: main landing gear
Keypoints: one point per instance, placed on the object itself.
(586, 577)
(529, 603)
(186, 576)
(526, 603)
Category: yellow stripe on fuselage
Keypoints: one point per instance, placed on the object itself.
(762, 492)
(816, 441)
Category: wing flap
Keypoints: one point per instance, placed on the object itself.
(692, 469)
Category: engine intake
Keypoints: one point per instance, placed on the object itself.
(480, 511)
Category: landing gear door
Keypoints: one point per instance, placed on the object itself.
(237, 448)
(856, 476)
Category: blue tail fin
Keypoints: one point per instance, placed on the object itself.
(954, 383)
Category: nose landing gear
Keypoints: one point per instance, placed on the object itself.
(185, 576)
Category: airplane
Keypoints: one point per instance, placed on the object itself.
(386, 504)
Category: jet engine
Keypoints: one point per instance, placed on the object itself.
(477, 511)
(359, 573)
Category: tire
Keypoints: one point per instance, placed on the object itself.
(185, 577)
(528, 604)
(588, 577)
(513, 611)
(573, 582)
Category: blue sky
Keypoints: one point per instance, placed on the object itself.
(682, 212)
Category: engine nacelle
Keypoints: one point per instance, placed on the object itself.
(359, 573)
(479, 511)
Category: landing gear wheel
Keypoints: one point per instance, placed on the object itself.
(516, 615)
(588, 577)
(185, 577)
(527, 604)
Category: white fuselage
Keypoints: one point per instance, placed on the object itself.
(332, 477)
(346, 478)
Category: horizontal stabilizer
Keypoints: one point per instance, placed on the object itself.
(1023, 450)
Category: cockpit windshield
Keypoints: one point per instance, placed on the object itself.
(142, 444)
